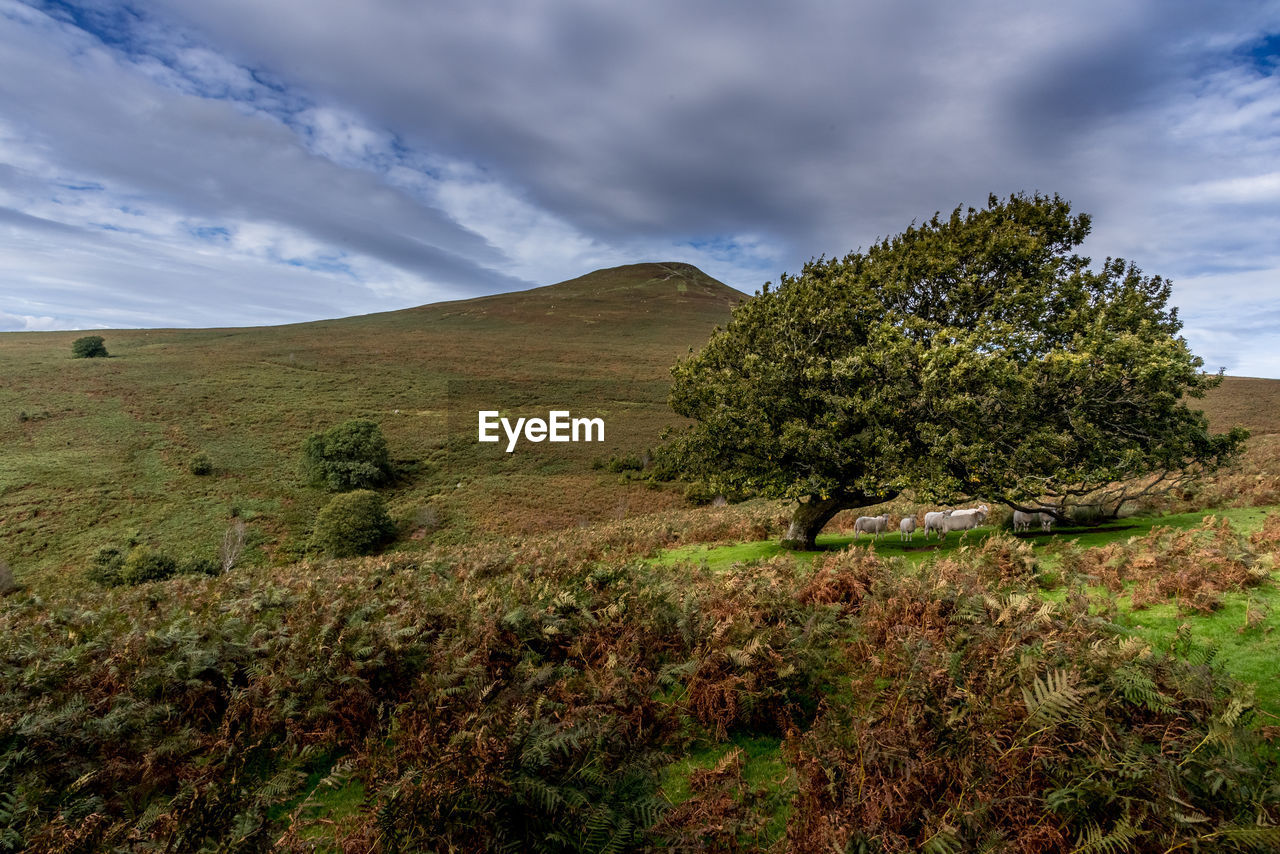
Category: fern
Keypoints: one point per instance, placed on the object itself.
(1053, 699)
(1118, 840)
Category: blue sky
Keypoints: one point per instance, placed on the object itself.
(244, 162)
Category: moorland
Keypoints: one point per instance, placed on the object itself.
(556, 653)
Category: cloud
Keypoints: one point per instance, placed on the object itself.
(385, 152)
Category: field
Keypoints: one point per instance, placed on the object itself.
(97, 451)
(554, 656)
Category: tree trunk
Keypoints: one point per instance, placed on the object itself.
(810, 518)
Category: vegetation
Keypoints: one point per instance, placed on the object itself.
(88, 347)
(354, 523)
(200, 465)
(352, 455)
(7, 583)
(477, 698)
(970, 356)
(637, 675)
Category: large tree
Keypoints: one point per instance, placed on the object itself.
(971, 355)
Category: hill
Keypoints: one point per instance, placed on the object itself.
(96, 451)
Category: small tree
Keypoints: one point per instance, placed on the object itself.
(974, 355)
(354, 523)
(232, 546)
(352, 455)
(88, 347)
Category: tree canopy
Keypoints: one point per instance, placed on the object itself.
(971, 355)
(88, 347)
(351, 455)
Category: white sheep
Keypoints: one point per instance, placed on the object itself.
(1023, 521)
(873, 525)
(907, 528)
(936, 520)
(962, 521)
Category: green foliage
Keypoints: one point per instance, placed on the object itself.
(354, 523)
(199, 565)
(143, 564)
(112, 567)
(88, 347)
(200, 465)
(106, 567)
(970, 355)
(352, 455)
(485, 699)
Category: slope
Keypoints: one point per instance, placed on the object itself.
(96, 452)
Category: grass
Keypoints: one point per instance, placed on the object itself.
(763, 768)
(96, 451)
(1248, 653)
(723, 556)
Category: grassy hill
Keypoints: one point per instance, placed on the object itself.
(605, 685)
(96, 451)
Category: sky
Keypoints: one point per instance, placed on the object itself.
(250, 162)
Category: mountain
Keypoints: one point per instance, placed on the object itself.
(97, 451)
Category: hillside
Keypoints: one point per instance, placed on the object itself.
(96, 451)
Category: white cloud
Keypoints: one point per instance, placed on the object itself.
(311, 157)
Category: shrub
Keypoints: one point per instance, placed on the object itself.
(142, 565)
(199, 566)
(88, 347)
(200, 465)
(354, 523)
(352, 455)
(106, 567)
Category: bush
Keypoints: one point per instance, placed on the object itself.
(352, 455)
(142, 565)
(200, 465)
(88, 347)
(354, 523)
(200, 566)
(106, 567)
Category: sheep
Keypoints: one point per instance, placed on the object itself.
(980, 512)
(936, 520)
(907, 528)
(873, 525)
(1023, 521)
(962, 521)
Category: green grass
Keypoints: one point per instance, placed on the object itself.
(763, 768)
(1249, 654)
(719, 557)
(96, 451)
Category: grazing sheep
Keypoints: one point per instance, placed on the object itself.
(936, 520)
(980, 512)
(1022, 521)
(962, 521)
(873, 525)
(907, 528)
